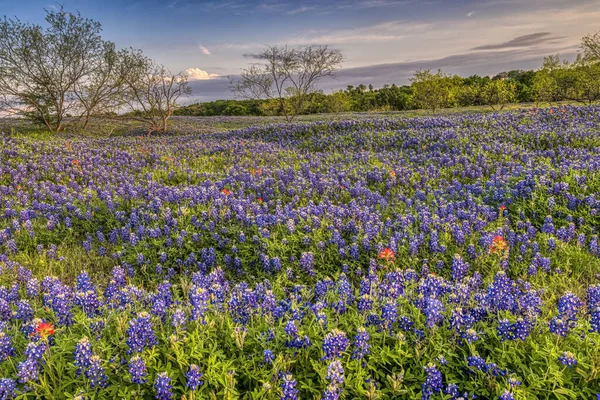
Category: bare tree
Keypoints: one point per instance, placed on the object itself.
(590, 46)
(287, 76)
(40, 67)
(101, 92)
(151, 91)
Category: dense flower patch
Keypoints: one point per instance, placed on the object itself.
(450, 257)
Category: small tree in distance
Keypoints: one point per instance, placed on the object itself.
(287, 75)
(499, 92)
(151, 91)
(432, 91)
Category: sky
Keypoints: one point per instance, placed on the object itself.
(383, 41)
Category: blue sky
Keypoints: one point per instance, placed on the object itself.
(383, 41)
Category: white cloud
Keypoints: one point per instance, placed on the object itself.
(204, 50)
(300, 10)
(470, 14)
(383, 32)
(197, 74)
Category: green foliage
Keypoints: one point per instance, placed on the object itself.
(433, 91)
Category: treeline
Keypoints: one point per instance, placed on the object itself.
(64, 74)
(556, 80)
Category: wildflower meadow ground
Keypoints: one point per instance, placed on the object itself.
(440, 257)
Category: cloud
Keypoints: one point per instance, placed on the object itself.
(522, 41)
(197, 74)
(470, 14)
(204, 50)
(300, 10)
(383, 32)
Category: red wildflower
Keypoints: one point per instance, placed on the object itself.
(499, 244)
(387, 254)
(45, 329)
(226, 192)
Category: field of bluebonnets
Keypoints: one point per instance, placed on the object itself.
(436, 258)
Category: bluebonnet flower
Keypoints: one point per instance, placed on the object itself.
(567, 358)
(193, 377)
(288, 388)
(82, 355)
(199, 300)
(334, 344)
(95, 373)
(470, 335)
(460, 268)
(137, 370)
(513, 382)
(178, 318)
(506, 395)
(433, 382)
(307, 263)
(7, 388)
(6, 346)
(268, 356)
(335, 377)
(389, 314)
(140, 333)
(35, 351)
(569, 304)
(163, 387)
(28, 370)
(361, 344)
(559, 327)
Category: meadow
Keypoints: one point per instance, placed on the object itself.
(432, 257)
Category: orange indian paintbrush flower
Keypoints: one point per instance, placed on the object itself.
(498, 245)
(387, 255)
(45, 329)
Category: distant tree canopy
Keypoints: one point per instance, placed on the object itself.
(556, 80)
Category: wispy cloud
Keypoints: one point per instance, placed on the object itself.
(470, 14)
(522, 41)
(204, 50)
(384, 32)
(301, 10)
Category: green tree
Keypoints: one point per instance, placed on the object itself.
(432, 90)
(548, 82)
(560, 80)
(497, 93)
(40, 67)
